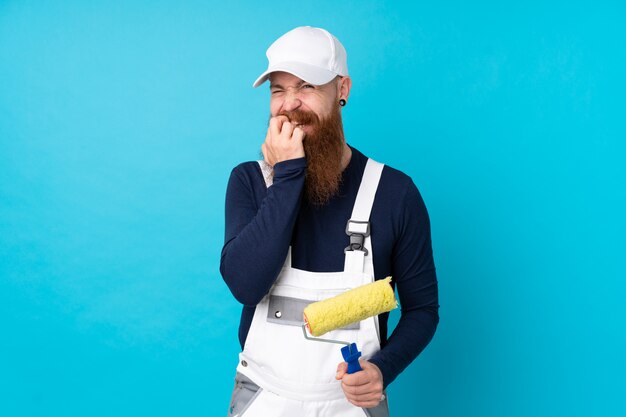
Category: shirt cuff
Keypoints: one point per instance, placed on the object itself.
(388, 376)
(289, 167)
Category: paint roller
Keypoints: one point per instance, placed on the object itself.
(349, 307)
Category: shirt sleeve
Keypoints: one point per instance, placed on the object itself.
(257, 237)
(414, 274)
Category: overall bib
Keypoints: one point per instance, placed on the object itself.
(295, 376)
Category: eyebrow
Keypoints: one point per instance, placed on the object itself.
(299, 84)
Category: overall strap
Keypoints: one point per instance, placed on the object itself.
(358, 226)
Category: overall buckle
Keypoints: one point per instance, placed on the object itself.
(358, 231)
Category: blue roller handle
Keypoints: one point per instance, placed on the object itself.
(351, 355)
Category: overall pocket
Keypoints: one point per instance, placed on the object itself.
(381, 410)
(244, 394)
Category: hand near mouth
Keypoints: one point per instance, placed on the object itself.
(283, 141)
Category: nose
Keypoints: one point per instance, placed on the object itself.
(292, 101)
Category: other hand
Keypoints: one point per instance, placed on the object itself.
(364, 388)
(283, 141)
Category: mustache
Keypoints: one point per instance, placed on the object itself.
(301, 117)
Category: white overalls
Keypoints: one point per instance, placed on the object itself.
(297, 376)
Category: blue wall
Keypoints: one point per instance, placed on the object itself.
(120, 122)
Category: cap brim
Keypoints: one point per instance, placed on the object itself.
(309, 73)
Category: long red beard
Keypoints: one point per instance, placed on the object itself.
(323, 149)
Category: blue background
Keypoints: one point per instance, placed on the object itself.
(120, 123)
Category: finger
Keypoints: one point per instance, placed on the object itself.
(363, 391)
(357, 378)
(370, 402)
(341, 370)
(357, 390)
(365, 404)
(298, 134)
(271, 158)
(286, 130)
(264, 151)
(280, 121)
(274, 128)
(369, 383)
(370, 396)
(372, 399)
(268, 135)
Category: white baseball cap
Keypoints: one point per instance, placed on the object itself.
(309, 53)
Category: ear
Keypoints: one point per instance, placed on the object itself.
(343, 86)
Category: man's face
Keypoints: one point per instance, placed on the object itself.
(316, 110)
(292, 94)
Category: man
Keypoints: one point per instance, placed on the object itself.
(313, 219)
